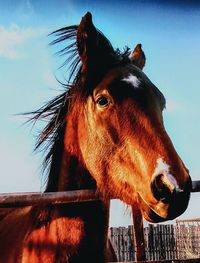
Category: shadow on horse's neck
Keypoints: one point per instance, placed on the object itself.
(67, 172)
(71, 175)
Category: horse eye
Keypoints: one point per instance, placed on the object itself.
(103, 101)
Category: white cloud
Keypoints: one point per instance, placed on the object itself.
(13, 37)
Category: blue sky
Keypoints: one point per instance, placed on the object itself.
(170, 34)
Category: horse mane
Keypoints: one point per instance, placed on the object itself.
(51, 138)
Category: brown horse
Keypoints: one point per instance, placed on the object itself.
(105, 132)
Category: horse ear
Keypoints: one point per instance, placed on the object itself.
(92, 45)
(138, 56)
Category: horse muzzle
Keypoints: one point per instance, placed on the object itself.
(165, 187)
(172, 200)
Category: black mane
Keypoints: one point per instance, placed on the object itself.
(70, 51)
(54, 112)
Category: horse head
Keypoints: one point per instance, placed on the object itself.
(116, 128)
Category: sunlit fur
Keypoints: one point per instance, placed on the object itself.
(103, 134)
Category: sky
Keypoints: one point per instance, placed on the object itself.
(170, 34)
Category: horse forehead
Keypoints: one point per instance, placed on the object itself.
(132, 80)
(122, 74)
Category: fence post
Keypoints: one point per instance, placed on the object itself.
(138, 231)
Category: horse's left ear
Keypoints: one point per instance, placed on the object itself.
(93, 46)
(138, 57)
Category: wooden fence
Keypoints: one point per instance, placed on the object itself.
(162, 242)
(123, 243)
(139, 252)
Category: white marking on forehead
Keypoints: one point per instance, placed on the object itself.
(133, 80)
(161, 166)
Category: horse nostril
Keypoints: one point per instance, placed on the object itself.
(164, 187)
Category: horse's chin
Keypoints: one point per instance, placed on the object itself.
(149, 214)
(153, 216)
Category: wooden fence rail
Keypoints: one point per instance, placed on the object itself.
(27, 199)
(195, 186)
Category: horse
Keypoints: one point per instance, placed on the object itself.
(104, 132)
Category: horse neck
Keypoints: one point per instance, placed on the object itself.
(95, 215)
(67, 174)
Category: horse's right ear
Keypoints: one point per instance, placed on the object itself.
(92, 45)
(138, 57)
